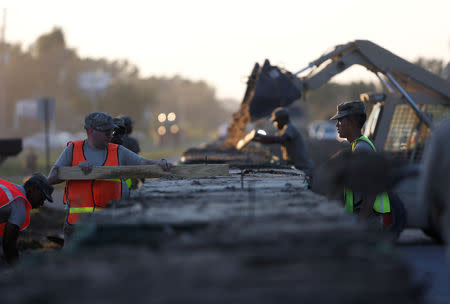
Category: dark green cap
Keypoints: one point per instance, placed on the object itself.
(279, 113)
(99, 121)
(128, 122)
(349, 108)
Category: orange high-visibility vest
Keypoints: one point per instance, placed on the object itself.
(86, 196)
(8, 193)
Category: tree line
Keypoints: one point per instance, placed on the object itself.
(49, 68)
(321, 103)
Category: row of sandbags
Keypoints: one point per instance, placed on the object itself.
(210, 241)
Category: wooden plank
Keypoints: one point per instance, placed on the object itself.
(193, 171)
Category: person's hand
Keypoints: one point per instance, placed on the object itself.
(86, 167)
(165, 165)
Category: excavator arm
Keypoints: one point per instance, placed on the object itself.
(269, 87)
(393, 72)
(377, 60)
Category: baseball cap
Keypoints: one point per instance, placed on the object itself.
(349, 108)
(100, 121)
(278, 113)
(120, 125)
(119, 122)
(128, 122)
(39, 180)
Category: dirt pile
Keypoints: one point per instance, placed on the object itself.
(45, 223)
(236, 130)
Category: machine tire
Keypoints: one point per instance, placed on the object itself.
(435, 223)
(398, 215)
(431, 233)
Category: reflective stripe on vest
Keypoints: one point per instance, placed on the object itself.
(84, 210)
(128, 182)
(382, 203)
(89, 195)
(8, 193)
(348, 197)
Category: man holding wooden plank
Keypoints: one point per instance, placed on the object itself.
(84, 196)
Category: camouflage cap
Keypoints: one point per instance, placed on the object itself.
(349, 108)
(279, 113)
(99, 121)
(40, 181)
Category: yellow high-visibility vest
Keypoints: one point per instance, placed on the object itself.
(128, 182)
(381, 204)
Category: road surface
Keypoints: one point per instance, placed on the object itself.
(428, 263)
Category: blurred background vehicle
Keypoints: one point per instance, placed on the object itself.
(323, 129)
(58, 139)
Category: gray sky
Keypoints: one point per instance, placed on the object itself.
(219, 41)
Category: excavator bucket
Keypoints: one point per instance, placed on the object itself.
(268, 88)
(10, 147)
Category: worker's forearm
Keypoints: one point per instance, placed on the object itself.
(53, 176)
(266, 139)
(164, 164)
(9, 243)
(145, 161)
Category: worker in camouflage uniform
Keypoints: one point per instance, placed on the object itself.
(290, 139)
(130, 142)
(350, 119)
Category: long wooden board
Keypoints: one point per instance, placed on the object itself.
(194, 171)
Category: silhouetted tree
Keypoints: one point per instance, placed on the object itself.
(433, 65)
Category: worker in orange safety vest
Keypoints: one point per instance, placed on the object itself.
(16, 202)
(86, 196)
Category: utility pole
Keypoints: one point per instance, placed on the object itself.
(3, 74)
(447, 67)
(448, 46)
(46, 102)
